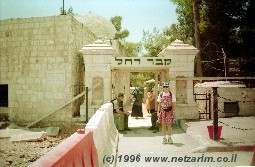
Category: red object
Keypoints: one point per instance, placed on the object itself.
(210, 130)
(76, 151)
(80, 131)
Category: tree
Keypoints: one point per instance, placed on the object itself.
(133, 49)
(185, 18)
(138, 79)
(121, 34)
(223, 25)
(154, 42)
(228, 21)
(173, 32)
(69, 11)
(198, 70)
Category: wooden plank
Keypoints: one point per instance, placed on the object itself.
(56, 109)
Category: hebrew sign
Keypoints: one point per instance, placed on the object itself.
(140, 62)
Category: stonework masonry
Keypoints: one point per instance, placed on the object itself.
(245, 97)
(105, 70)
(40, 62)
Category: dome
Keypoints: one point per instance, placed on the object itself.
(99, 25)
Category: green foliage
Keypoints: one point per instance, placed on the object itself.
(138, 79)
(121, 34)
(133, 49)
(156, 41)
(186, 24)
(227, 22)
(69, 11)
(223, 24)
(116, 21)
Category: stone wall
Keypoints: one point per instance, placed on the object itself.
(244, 96)
(39, 61)
(246, 103)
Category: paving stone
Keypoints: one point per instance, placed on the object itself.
(31, 136)
(51, 131)
(7, 133)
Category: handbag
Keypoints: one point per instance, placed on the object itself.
(167, 109)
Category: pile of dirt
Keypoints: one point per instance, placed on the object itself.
(22, 154)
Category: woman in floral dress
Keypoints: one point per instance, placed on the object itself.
(166, 108)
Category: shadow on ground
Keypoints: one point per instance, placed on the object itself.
(144, 132)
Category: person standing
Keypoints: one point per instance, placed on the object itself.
(150, 103)
(138, 96)
(120, 116)
(150, 106)
(166, 108)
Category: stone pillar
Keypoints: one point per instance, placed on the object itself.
(156, 89)
(126, 83)
(122, 83)
(97, 60)
(182, 66)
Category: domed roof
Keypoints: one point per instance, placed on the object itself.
(99, 25)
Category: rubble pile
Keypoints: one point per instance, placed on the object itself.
(22, 146)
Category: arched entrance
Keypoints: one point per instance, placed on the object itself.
(122, 67)
(112, 72)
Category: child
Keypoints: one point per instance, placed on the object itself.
(166, 107)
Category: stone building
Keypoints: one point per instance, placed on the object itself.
(234, 99)
(41, 66)
(45, 62)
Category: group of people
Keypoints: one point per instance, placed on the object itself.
(164, 114)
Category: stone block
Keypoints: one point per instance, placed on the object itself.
(7, 133)
(30, 136)
(187, 112)
(51, 131)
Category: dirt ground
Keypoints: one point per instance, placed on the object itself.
(21, 154)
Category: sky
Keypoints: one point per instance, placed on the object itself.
(137, 15)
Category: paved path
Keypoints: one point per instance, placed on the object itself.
(137, 146)
(238, 132)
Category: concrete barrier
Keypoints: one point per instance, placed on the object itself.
(76, 150)
(86, 150)
(105, 133)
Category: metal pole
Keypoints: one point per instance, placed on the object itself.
(215, 114)
(63, 12)
(87, 105)
(210, 105)
(224, 59)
